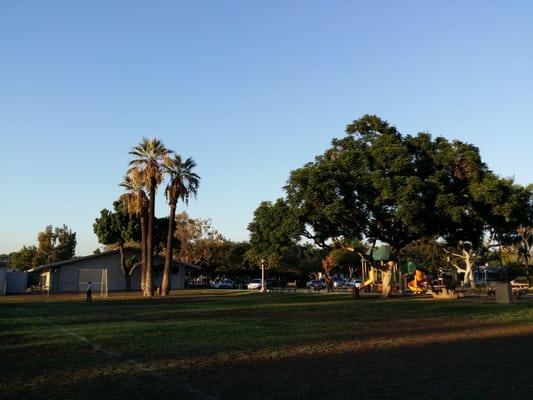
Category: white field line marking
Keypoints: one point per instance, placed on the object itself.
(135, 363)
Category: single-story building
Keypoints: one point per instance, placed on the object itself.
(104, 272)
(12, 282)
(3, 278)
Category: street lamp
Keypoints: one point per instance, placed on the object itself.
(263, 288)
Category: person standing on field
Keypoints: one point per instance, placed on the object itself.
(89, 292)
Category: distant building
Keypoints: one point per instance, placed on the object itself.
(72, 275)
(12, 282)
(3, 278)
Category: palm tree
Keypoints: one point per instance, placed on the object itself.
(149, 154)
(136, 203)
(183, 184)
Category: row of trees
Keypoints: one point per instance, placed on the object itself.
(53, 244)
(377, 185)
(134, 216)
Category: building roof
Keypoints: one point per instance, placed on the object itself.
(104, 253)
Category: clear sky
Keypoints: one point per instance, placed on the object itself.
(249, 89)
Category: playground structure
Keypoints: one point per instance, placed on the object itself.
(406, 278)
(380, 273)
(417, 284)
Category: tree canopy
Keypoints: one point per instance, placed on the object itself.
(376, 184)
(54, 244)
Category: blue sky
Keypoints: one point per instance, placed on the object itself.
(250, 90)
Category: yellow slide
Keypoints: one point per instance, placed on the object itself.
(367, 283)
(415, 285)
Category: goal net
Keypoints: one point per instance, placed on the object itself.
(98, 279)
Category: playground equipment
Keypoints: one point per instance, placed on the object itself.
(443, 293)
(405, 277)
(415, 285)
(371, 277)
(379, 273)
(419, 284)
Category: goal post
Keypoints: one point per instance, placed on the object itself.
(97, 277)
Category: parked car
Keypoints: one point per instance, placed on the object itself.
(355, 282)
(197, 283)
(339, 283)
(518, 289)
(316, 284)
(254, 284)
(222, 284)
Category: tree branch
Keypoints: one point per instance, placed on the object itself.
(454, 254)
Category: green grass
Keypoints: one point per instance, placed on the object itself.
(229, 344)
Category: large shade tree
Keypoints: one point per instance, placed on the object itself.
(379, 185)
(183, 183)
(149, 156)
(372, 184)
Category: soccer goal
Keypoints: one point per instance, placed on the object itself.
(98, 279)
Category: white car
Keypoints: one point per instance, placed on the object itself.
(339, 283)
(222, 284)
(254, 285)
(316, 284)
(355, 282)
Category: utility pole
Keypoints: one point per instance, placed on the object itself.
(263, 288)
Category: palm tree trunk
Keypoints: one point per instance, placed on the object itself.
(143, 251)
(165, 286)
(150, 243)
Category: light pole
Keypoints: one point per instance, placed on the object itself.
(263, 289)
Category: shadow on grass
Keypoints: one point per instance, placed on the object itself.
(474, 368)
(492, 368)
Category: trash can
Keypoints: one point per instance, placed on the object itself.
(504, 293)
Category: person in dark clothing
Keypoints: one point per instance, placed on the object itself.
(89, 292)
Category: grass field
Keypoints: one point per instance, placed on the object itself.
(224, 345)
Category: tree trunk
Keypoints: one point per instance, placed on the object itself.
(143, 251)
(526, 258)
(526, 266)
(165, 285)
(143, 255)
(468, 279)
(150, 243)
(127, 277)
(386, 280)
(503, 267)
